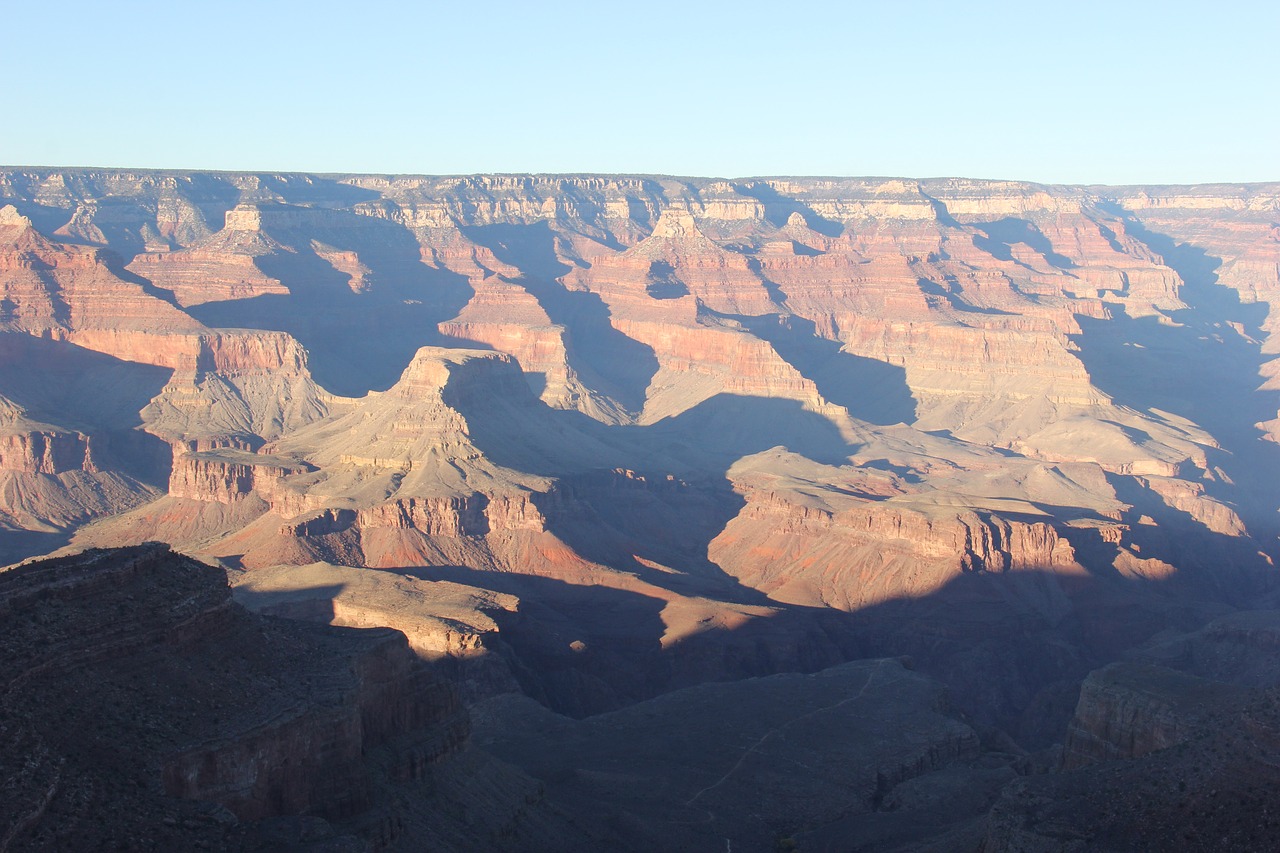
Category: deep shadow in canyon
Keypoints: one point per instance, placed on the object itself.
(606, 360)
(1011, 647)
(357, 341)
(1203, 366)
(870, 390)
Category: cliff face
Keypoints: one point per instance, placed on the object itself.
(1175, 747)
(1128, 711)
(862, 552)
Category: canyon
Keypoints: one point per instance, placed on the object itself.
(649, 467)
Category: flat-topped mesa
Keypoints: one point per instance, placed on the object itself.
(285, 217)
(677, 223)
(410, 443)
(244, 218)
(1127, 710)
(227, 476)
(235, 352)
(432, 368)
(233, 384)
(877, 551)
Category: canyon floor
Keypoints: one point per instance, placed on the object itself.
(819, 514)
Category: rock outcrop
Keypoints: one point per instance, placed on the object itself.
(1164, 751)
(143, 707)
(1127, 711)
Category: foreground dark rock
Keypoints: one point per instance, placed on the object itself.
(844, 757)
(1178, 749)
(144, 710)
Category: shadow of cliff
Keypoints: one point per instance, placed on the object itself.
(357, 341)
(605, 360)
(656, 529)
(62, 387)
(18, 545)
(661, 282)
(587, 649)
(1203, 366)
(778, 209)
(74, 387)
(577, 649)
(1003, 234)
(527, 435)
(115, 264)
(80, 390)
(322, 191)
(870, 390)
(628, 504)
(305, 604)
(1012, 648)
(726, 427)
(1225, 565)
(953, 295)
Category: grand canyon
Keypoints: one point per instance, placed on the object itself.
(596, 512)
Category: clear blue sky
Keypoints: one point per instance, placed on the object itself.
(1068, 92)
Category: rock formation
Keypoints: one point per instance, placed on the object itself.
(1175, 748)
(628, 434)
(143, 708)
